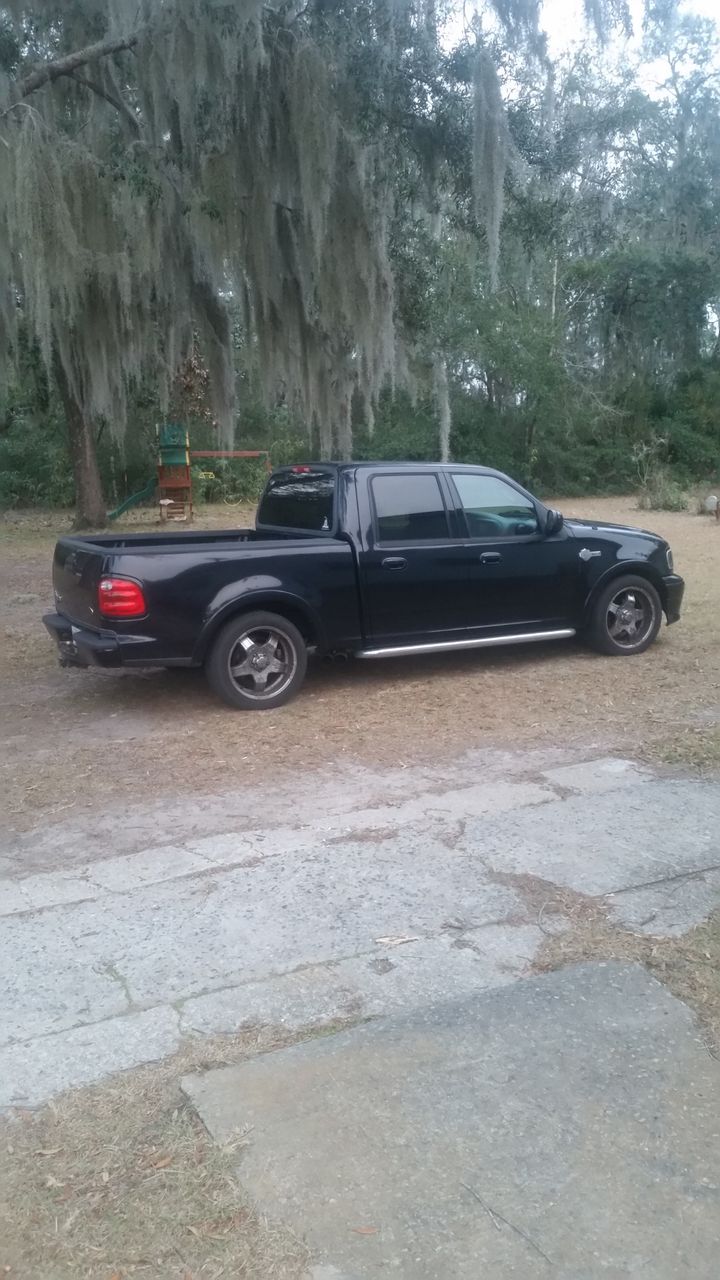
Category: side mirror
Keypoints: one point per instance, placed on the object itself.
(553, 522)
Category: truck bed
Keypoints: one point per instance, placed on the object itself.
(186, 539)
(193, 580)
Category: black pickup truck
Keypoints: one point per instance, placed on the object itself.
(375, 560)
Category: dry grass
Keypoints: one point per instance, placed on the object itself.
(122, 1180)
(578, 928)
(691, 747)
(117, 726)
(689, 966)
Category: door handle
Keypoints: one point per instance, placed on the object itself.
(490, 557)
(393, 562)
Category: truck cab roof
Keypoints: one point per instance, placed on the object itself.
(383, 464)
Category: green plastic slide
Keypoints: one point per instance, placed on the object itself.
(134, 498)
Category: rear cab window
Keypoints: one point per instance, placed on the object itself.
(409, 508)
(302, 499)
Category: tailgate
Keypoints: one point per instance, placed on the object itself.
(77, 569)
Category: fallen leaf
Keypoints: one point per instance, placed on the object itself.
(162, 1163)
(70, 1219)
(398, 941)
(365, 1231)
(48, 1151)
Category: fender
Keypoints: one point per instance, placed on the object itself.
(258, 593)
(621, 568)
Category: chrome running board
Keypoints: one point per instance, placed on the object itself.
(482, 642)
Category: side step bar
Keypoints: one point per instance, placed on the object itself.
(481, 642)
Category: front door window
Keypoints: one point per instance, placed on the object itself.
(493, 508)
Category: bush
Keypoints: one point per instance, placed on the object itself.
(661, 493)
(231, 480)
(35, 468)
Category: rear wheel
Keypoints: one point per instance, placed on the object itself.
(626, 617)
(258, 661)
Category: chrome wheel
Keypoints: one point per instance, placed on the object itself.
(631, 617)
(262, 663)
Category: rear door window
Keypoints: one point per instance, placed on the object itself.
(299, 500)
(409, 508)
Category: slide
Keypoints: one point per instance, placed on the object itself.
(133, 500)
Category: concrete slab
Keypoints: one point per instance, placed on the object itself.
(48, 985)
(612, 840)
(276, 916)
(32, 1072)
(593, 776)
(385, 980)
(34, 893)
(670, 908)
(566, 1127)
(151, 866)
(332, 798)
(186, 937)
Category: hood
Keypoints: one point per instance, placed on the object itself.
(580, 527)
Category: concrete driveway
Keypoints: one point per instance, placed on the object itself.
(362, 895)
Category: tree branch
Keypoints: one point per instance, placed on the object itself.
(68, 64)
(116, 102)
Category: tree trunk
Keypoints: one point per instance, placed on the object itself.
(442, 400)
(530, 450)
(345, 431)
(90, 509)
(553, 308)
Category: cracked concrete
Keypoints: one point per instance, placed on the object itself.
(334, 801)
(566, 1126)
(369, 895)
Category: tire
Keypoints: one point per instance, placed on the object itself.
(258, 661)
(625, 618)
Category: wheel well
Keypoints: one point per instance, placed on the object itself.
(628, 571)
(292, 613)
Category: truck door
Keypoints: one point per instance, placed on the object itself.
(514, 573)
(414, 570)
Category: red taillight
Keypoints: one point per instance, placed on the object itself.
(120, 598)
(301, 470)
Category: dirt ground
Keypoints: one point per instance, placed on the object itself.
(122, 1180)
(76, 737)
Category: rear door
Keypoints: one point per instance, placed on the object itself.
(413, 570)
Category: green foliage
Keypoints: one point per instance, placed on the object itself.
(231, 480)
(35, 467)
(543, 240)
(662, 493)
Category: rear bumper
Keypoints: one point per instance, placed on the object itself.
(80, 648)
(674, 590)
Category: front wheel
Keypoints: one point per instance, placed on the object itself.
(626, 617)
(258, 661)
